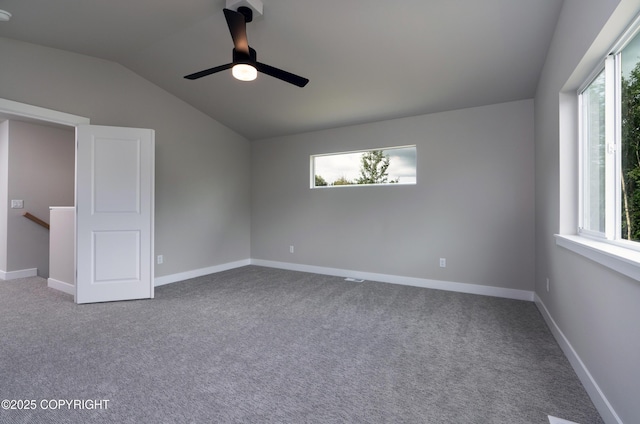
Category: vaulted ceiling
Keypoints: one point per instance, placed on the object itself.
(367, 60)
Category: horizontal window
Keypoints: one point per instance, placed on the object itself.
(390, 165)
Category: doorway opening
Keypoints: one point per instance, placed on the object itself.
(111, 225)
(42, 174)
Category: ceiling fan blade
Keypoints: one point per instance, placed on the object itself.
(238, 29)
(209, 71)
(281, 75)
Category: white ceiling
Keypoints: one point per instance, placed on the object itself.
(367, 60)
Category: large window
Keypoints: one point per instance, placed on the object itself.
(610, 147)
(392, 165)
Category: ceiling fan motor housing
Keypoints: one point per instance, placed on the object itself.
(240, 57)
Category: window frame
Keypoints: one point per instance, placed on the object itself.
(611, 66)
(605, 67)
(312, 170)
(619, 255)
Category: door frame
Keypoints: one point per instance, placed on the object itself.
(10, 109)
(24, 112)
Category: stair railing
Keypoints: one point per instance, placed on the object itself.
(36, 220)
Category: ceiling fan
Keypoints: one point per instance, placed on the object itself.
(245, 66)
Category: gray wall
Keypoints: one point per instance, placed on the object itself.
(596, 308)
(4, 187)
(472, 204)
(41, 173)
(202, 167)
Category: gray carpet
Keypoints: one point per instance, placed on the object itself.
(260, 345)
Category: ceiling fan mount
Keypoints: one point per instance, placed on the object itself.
(247, 12)
(245, 65)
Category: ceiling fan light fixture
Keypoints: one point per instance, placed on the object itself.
(4, 16)
(245, 66)
(244, 72)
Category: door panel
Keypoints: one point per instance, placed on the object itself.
(116, 255)
(115, 206)
(117, 192)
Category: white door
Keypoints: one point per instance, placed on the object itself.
(114, 213)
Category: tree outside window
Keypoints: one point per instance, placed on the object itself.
(394, 165)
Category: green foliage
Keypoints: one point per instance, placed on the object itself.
(373, 168)
(631, 155)
(320, 182)
(342, 181)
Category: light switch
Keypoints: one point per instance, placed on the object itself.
(17, 204)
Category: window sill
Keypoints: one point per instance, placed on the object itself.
(617, 258)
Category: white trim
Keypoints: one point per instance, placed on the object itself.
(22, 110)
(620, 259)
(556, 420)
(611, 143)
(62, 286)
(15, 110)
(629, 33)
(181, 276)
(407, 281)
(370, 276)
(597, 397)
(21, 273)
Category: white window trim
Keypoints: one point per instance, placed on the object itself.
(612, 152)
(606, 249)
(618, 258)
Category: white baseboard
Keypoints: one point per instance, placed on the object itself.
(598, 398)
(62, 286)
(22, 273)
(168, 279)
(383, 278)
(407, 281)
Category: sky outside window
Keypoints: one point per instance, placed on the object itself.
(347, 166)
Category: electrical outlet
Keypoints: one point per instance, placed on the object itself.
(17, 204)
(443, 262)
(160, 259)
(291, 249)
